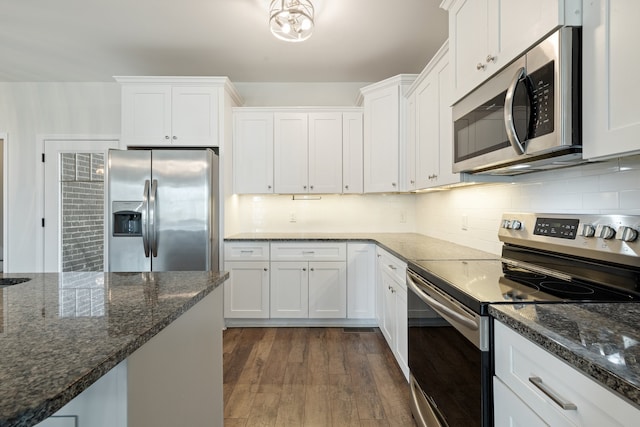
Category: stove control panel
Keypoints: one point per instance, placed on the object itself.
(613, 238)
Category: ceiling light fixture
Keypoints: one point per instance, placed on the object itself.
(291, 20)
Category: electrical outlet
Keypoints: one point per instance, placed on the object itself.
(293, 217)
(465, 222)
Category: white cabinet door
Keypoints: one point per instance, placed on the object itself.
(381, 140)
(468, 38)
(325, 153)
(388, 320)
(291, 153)
(445, 128)
(167, 115)
(289, 289)
(427, 132)
(611, 59)
(361, 281)
(402, 332)
(146, 114)
(509, 410)
(352, 161)
(246, 293)
(409, 182)
(253, 153)
(327, 290)
(194, 116)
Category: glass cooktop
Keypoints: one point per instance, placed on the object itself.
(477, 283)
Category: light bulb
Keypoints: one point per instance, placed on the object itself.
(306, 24)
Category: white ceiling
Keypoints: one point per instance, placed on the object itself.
(93, 40)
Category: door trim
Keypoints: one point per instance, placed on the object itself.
(40, 196)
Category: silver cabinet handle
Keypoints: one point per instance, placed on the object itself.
(175, 137)
(166, 137)
(311, 187)
(246, 251)
(266, 269)
(346, 187)
(559, 400)
(393, 184)
(491, 58)
(268, 187)
(391, 266)
(304, 187)
(480, 66)
(311, 269)
(304, 269)
(309, 252)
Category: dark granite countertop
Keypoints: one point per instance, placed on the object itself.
(406, 246)
(600, 340)
(59, 333)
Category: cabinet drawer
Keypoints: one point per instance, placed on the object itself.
(246, 251)
(309, 251)
(393, 265)
(517, 360)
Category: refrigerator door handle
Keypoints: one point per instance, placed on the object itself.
(153, 218)
(145, 215)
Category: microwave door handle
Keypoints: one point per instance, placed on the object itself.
(145, 216)
(509, 124)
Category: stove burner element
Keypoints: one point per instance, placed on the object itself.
(566, 288)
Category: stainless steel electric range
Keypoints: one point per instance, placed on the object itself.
(546, 259)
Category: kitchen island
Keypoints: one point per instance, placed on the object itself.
(60, 333)
(600, 340)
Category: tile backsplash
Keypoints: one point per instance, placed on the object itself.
(604, 187)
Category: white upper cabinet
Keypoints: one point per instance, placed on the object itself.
(384, 110)
(325, 152)
(253, 152)
(172, 111)
(485, 35)
(610, 109)
(429, 143)
(352, 153)
(291, 152)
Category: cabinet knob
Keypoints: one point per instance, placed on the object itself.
(304, 269)
(175, 137)
(480, 66)
(311, 269)
(304, 187)
(311, 187)
(412, 181)
(269, 187)
(392, 267)
(346, 187)
(266, 269)
(491, 58)
(166, 137)
(393, 184)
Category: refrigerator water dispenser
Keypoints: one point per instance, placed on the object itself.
(127, 219)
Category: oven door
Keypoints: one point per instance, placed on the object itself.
(449, 359)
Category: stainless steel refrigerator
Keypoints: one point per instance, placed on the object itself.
(163, 210)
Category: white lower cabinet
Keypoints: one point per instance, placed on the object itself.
(531, 380)
(392, 310)
(361, 281)
(290, 290)
(246, 293)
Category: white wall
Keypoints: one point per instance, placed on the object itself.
(31, 109)
(607, 187)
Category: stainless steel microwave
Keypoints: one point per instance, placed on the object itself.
(527, 117)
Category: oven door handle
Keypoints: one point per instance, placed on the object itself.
(444, 310)
(509, 123)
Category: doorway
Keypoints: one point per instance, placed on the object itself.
(74, 204)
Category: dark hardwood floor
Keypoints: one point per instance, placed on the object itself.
(312, 377)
